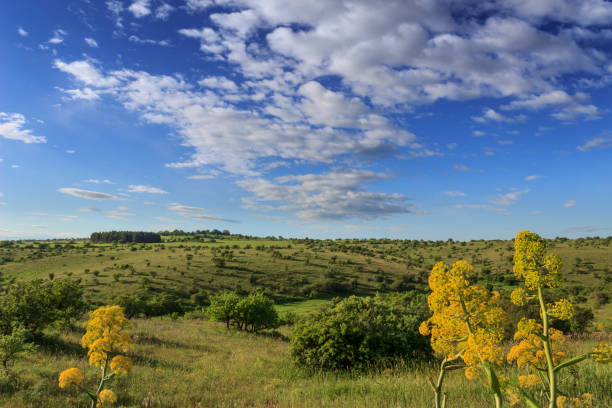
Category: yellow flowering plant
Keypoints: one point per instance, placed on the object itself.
(466, 327)
(107, 336)
(540, 346)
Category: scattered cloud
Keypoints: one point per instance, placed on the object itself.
(97, 181)
(479, 133)
(454, 193)
(532, 177)
(509, 198)
(58, 37)
(70, 151)
(460, 167)
(115, 7)
(91, 42)
(596, 143)
(86, 73)
(15, 166)
(569, 204)
(163, 12)
(85, 93)
(336, 195)
(12, 127)
(138, 40)
(206, 217)
(184, 208)
(196, 213)
(22, 32)
(494, 116)
(145, 189)
(87, 194)
(140, 8)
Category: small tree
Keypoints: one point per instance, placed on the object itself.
(223, 307)
(106, 337)
(257, 312)
(14, 345)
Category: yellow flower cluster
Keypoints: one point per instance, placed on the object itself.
(585, 401)
(121, 364)
(528, 381)
(519, 296)
(530, 351)
(530, 263)
(107, 333)
(467, 320)
(603, 353)
(106, 397)
(561, 309)
(71, 376)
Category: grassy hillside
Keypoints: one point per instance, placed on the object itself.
(192, 363)
(292, 270)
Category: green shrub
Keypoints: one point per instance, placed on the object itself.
(360, 332)
(37, 304)
(256, 312)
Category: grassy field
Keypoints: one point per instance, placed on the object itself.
(293, 270)
(180, 362)
(193, 363)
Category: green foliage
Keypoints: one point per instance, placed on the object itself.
(359, 332)
(256, 312)
(253, 312)
(37, 304)
(223, 307)
(125, 236)
(14, 345)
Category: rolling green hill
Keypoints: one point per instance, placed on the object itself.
(187, 268)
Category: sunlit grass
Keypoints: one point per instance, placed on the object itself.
(185, 362)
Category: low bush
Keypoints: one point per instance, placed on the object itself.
(361, 332)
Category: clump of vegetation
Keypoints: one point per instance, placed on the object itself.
(13, 346)
(254, 312)
(125, 236)
(107, 338)
(361, 332)
(36, 304)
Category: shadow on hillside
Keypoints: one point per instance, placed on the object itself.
(146, 339)
(55, 345)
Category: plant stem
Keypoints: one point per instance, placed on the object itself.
(552, 380)
(102, 381)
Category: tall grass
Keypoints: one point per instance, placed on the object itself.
(184, 363)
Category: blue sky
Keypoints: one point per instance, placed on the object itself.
(363, 118)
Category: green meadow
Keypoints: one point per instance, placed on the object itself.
(183, 360)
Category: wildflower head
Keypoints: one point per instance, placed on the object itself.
(532, 265)
(71, 376)
(519, 296)
(107, 333)
(562, 309)
(121, 364)
(106, 397)
(466, 318)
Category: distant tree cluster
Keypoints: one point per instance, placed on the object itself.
(125, 236)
